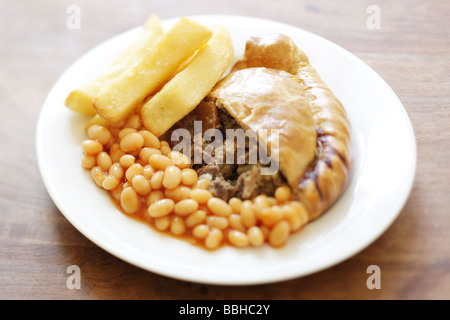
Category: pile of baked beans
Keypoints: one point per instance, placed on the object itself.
(150, 182)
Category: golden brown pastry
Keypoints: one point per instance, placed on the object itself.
(261, 98)
(314, 117)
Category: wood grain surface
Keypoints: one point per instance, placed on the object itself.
(410, 50)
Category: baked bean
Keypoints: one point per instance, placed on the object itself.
(126, 160)
(200, 231)
(248, 217)
(110, 182)
(200, 195)
(88, 161)
(150, 140)
(161, 208)
(153, 196)
(172, 177)
(291, 217)
(115, 193)
(148, 171)
(235, 221)
(126, 131)
(131, 142)
(164, 143)
(104, 161)
(179, 159)
(162, 223)
(177, 226)
(217, 222)
(271, 216)
(296, 214)
(259, 203)
(160, 161)
(219, 207)
(165, 150)
(114, 129)
(214, 238)
(279, 233)
(202, 183)
(283, 194)
(141, 185)
(129, 200)
(99, 133)
(116, 171)
(147, 152)
(115, 153)
(133, 122)
(188, 177)
(196, 218)
(134, 170)
(186, 207)
(235, 204)
(179, 193)
(255, 236)
(92, 147)
(93, 121)
(156, 180)
(98, 175)
(238, 238)
(272, 201)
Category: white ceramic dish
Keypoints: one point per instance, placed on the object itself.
(380, 182)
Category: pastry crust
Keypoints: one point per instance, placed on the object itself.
(326, 175)
(260, 98)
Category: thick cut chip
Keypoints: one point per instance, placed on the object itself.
(185, 91)
(80, 100)
(117, 100)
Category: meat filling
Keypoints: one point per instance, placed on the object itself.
(227, 180)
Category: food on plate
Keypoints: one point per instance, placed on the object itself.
(275, 87)
(316, 181)
(155, 184)
(242, 159)
(258, 99)
(80, 100)
(177, 98)
(118, 99)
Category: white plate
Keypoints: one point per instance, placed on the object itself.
(381, 179)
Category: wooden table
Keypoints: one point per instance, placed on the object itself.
(410, 50)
